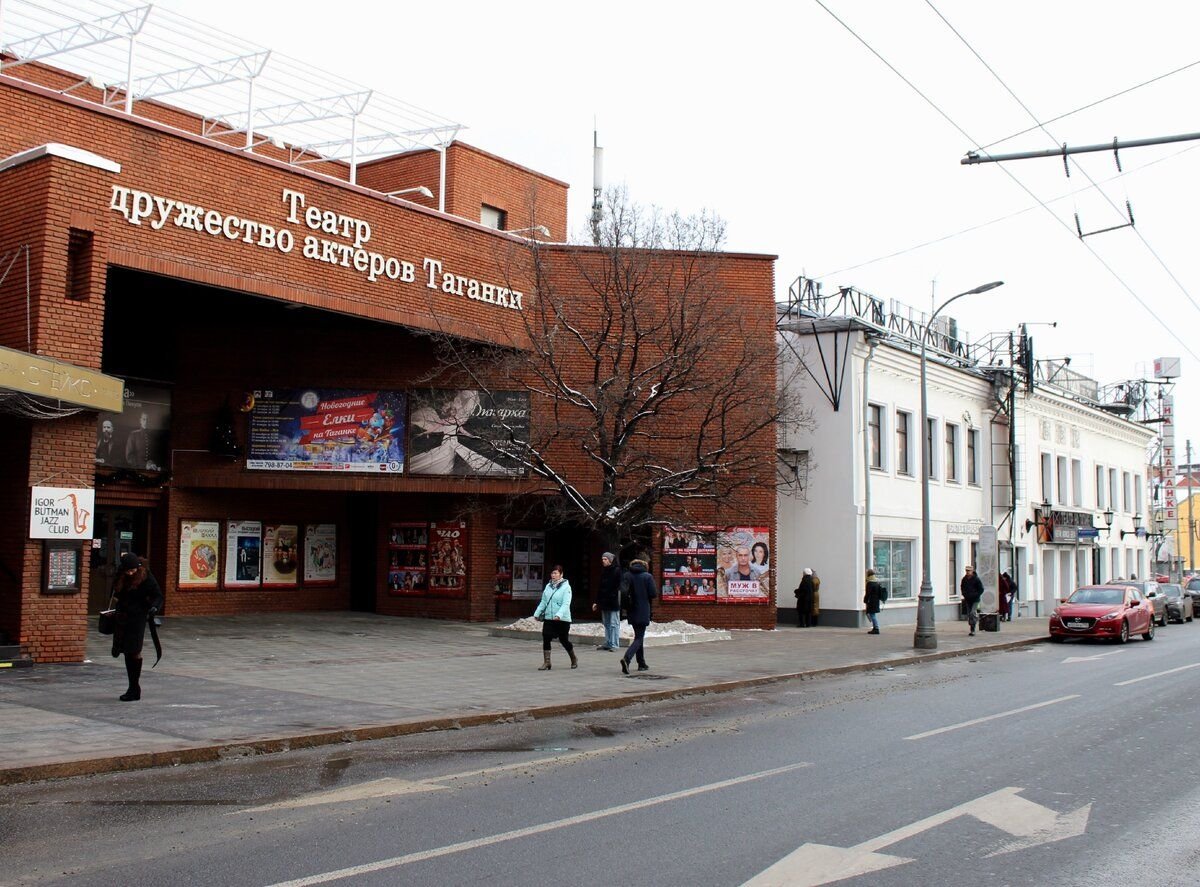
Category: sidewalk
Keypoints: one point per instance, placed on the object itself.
(238, 685)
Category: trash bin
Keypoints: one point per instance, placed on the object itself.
(989, 622)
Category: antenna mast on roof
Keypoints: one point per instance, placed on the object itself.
(597, 184)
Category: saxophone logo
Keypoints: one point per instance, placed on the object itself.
(79, 516)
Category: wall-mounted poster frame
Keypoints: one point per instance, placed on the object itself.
(448, 559)
(408, 558)
(243, 554)
(281, 556)
(744, 565)
(199, 553)
(529, 558)
(320, 554)
(689, 565)
(61, 566)
(504, 564)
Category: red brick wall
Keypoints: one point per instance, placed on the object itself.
(14, 519)
(474, 177)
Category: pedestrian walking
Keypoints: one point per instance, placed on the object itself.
(816, 607)
(137, 599)
(804, 599)
(1014, 595)
(642, 591)
(1005, 597)
(608, 601)
(971, 587)
(554, 612)
(875, 593)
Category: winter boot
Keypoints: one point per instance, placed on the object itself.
(133, 668)
(546, 665)
(574, 661)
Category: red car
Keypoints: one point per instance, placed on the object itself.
(1103, 611)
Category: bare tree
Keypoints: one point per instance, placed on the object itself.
(653, 389)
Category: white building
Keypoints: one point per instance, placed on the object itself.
(858, 496)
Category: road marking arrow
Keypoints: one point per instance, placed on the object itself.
(1070, 659)
(1030, 823)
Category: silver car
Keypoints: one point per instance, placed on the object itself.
(1179, 605)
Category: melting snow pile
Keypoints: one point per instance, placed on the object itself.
(595, 629)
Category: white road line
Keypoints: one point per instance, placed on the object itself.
(1003, 714)
(421, 855)
(1156, 675)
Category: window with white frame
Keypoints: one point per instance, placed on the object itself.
(973, 456)
(1127, 492)
(1137, 495)
(1060, 465)
(1116, 564)
(893, 566)
(1099, 487)
(903, 434)
(931, 448)
(1076, 483)
(875, 434)
(951, 452)
(1113, 497)
(956, 565)
(1047, 477)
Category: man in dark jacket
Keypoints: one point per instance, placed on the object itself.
(608, 601)
(642, 591)
(872, 599)
(972, 590)
(804, 599)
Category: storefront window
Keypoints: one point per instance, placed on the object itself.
(893, 566)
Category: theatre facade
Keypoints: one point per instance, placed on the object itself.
(229, 365)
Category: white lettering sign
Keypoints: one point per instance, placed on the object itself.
(326, 246)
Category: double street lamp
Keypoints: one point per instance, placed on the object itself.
(925, 637)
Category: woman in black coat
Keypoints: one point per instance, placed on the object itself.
(642, 591)
(608, 601)
(138, 598)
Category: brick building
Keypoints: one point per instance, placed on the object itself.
(242, 302)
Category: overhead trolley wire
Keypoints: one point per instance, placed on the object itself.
(1150, 311)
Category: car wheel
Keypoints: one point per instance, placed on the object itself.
(1148, 634)
(1164, 619)
(1123, 637)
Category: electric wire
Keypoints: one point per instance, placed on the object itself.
(1112, 272)
(1079, 166)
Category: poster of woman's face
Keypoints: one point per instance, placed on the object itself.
(465, 432)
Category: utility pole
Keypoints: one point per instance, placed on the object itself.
(1191, 513)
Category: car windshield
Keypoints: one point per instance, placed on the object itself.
(1171, 590)
(1193, 585)
(1109, 596)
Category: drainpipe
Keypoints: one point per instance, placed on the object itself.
(872, 343)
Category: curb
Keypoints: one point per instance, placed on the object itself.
(254, 747)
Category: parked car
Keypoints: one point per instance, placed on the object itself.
(1192, 589)
(1149, 591)
(1179, 605)
(1103, 611)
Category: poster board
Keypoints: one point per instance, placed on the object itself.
(281, 553)
(408, 558)
(243, 554)
(689, 565)
(61, 567)
(199, 544)
(320, 554)
(744, 565)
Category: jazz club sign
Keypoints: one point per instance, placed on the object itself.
(61, 513)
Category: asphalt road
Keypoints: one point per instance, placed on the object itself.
(1066, 764)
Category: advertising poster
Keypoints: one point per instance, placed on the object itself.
(408, 558)
(504, 564)
(529, 556)
(456, 432)
(321, 429)
(243, 553)
(320, 554)
(199, 542)
(447, 559)
(744, 565)
(136, 438)
(61, 513)
(281, 556)
(689, 565)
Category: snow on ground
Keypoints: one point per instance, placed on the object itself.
(595, 629)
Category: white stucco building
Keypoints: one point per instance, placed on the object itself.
(857, 500)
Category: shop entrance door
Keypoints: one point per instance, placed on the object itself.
(118, 530)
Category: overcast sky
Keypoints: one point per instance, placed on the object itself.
(779, 119)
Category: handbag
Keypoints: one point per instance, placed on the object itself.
(107, 622)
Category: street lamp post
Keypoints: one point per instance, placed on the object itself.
(925, 637)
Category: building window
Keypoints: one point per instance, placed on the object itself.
(1061, 466)
(1099, 487)
(951, 452)
(1116, 564)
(930, 451)
(1113, 497)
(973, 456)
(903, 427)
(1137, 495)
(875, 434)
(974, 553)
(1077, 483)
(1127, 491)
(493, 217)
(1047, 478)
(955, 566)
(893, 566)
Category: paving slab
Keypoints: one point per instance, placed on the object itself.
(265, 683)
